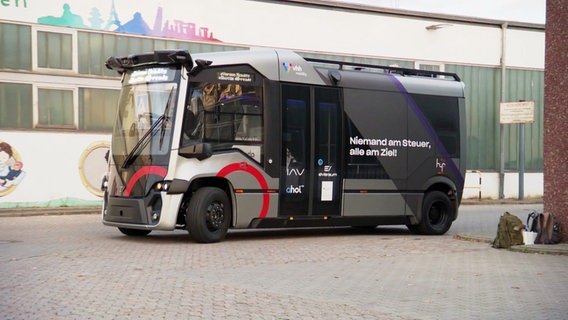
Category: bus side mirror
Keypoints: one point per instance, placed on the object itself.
(200, 151)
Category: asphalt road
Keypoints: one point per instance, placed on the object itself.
(73, 267)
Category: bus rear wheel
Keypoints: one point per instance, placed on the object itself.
(437, 214)
(208, 215)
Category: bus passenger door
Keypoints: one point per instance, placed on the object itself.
(310, 171)
(327, 166)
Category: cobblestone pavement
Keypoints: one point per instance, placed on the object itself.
(72, 267)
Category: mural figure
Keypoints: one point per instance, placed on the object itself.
(113, 18)
(11, 173)
(137, 25)
(95, 19)
(68, 19)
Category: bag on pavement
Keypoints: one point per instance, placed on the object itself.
(509, 232)
(546, 227)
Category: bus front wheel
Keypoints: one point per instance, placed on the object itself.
(437, 213)
(208, 215)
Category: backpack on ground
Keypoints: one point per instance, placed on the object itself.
(509, 232)
(546, 227)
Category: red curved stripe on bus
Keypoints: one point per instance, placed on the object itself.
(144, 171)
(243, 166)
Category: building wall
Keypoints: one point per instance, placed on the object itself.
(556, 114)
(57, 99)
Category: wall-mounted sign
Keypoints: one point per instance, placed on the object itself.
(516, 112)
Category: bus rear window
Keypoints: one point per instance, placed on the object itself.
(443, 115)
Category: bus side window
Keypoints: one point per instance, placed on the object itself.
(188, 123)
(192, 118)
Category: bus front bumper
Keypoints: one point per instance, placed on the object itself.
(149, 213)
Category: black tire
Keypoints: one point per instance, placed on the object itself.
(437, 214)
(134, 232)
(208, 215)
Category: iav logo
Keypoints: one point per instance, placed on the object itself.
(291, 189)
(295, 172)
(290, 67)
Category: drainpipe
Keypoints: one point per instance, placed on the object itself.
(502, 126)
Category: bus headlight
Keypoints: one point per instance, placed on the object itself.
(175, 186)
(104, 183)
(163, 186)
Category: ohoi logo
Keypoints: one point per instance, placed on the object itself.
(295, 189)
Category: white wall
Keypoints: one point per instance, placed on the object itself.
(525, 48)
(51, 165)
(372, 34)
(489, 187)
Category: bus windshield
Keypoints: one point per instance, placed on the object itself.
(145, 117)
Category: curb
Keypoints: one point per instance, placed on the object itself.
(560, 249)
(473, 238)
(501, 201)
(49, 211)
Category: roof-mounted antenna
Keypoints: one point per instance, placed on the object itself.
(335, 76)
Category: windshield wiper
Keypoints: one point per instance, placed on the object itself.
(144, 140)
(141, 144)
(165, 117)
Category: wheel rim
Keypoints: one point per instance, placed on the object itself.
(215, 216)
(437, 214)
